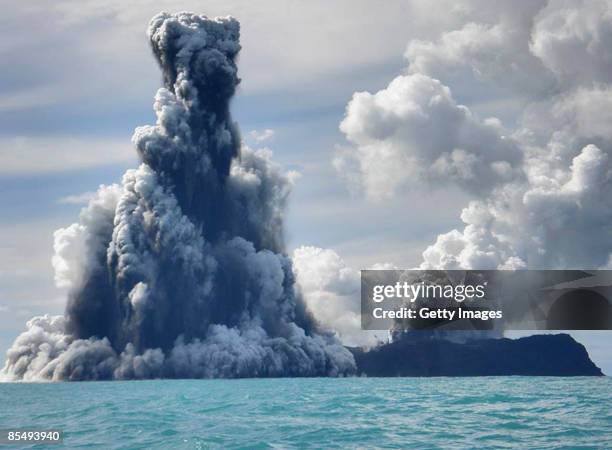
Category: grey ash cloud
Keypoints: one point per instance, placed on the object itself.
(180, 270)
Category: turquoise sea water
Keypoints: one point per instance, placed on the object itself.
(418, 413)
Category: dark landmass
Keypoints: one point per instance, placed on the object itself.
(539, 355)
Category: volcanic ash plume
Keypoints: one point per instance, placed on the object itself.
(180, 271)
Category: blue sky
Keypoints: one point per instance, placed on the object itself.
(78, 78)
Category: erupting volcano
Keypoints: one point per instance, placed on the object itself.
(180, 271)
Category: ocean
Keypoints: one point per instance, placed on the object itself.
(420, 413)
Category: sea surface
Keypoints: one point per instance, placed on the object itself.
(423, 413)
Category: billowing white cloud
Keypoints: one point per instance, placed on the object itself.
(494, 51)
(549, 205)
(573, 39)
(556, 220)
(331, 291)
(77, 246)
(413, 133)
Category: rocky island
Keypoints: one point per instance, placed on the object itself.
(539, 355)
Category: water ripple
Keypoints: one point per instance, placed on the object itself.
(418, 413)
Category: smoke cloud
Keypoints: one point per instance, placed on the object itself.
(331, 290)
(399, 144)
(541, 191)
(180, 270)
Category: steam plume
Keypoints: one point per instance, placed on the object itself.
(180, 270)
(541, 191)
